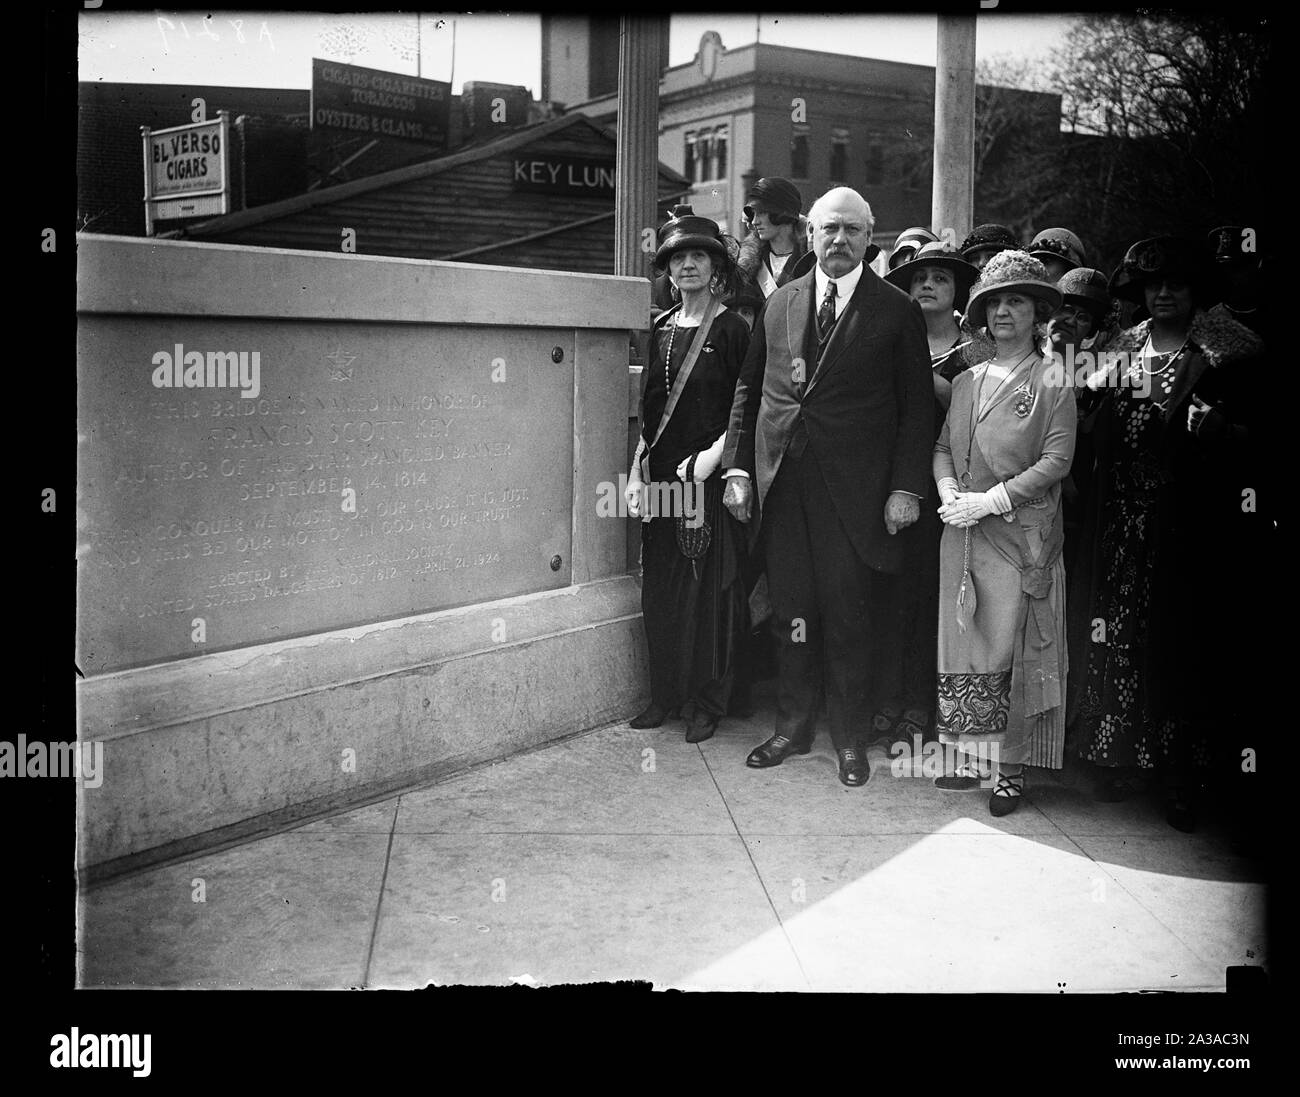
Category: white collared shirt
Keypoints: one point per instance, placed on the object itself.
(845, 284)
(770, 270)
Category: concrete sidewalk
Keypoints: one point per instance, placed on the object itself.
(624, 854)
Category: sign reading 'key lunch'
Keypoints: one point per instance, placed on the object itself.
(372, 103)
(592, 176)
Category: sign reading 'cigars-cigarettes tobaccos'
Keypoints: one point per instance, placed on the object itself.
(245, 481)
(365, 102)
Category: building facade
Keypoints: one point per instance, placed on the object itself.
(818, 119)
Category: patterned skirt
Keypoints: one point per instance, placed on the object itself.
(974, 705)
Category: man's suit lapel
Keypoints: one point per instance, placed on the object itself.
(853, 326)
(798, 317)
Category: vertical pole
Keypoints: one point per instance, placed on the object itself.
(637, 176)
(452, 78)
(953, 205)
(227, 184)
(148, 184)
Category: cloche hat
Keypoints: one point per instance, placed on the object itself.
(907, 244)
(988, 236)
(773, 195)
(1058, 244)
(1086, 288)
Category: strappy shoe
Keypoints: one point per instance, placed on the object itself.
(969, 775)
(1007, 794)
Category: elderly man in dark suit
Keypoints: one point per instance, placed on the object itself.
(828, 452)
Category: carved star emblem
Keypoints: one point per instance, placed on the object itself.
(342, 370)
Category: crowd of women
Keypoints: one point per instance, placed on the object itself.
(1087, 572)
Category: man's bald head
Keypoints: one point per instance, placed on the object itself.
(840, 225)
(842, 199)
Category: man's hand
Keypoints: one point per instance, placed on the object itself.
(901, 510)
(738, 497)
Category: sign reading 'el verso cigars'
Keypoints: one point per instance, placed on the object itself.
(244, 481)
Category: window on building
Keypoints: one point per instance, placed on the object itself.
(799, 152)
(839, 157)
(719, 158)
(875, 165)
(688, 169)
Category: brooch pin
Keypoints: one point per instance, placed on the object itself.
(1024, 401)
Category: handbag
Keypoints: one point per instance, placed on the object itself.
(693, 539)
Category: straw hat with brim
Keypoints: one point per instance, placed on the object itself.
(685, 230)
(1011, 271)
(1175, 257)
(937, 254)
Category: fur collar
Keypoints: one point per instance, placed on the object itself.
(752, 250)
(1220, 338)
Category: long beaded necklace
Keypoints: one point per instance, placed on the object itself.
(668, 357)
(672, 334)
(966, 598)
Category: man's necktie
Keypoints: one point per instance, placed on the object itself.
(826, 314)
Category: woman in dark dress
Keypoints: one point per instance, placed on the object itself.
(1158, 636)
(694, 606)
(940, 280)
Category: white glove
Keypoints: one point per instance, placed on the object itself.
(970, 506)
(706, 461)
(632, 493)
(947, 490)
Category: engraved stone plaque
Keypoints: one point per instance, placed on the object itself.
(243, 481)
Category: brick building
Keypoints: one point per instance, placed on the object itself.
(819, 119)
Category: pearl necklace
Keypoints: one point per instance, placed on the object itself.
(1173, 357)
(668, 358)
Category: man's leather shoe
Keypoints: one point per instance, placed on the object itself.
(854, 767)
(775, 751)
(702, 726)
(651, 718)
